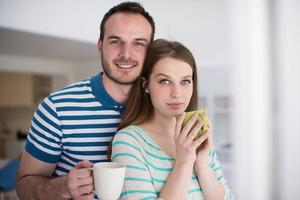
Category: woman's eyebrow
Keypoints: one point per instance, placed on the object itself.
(162, 74)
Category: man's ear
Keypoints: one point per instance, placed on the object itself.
(99, 45)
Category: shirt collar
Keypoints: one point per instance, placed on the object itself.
(101, 94)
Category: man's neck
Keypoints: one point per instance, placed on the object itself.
(118, 92)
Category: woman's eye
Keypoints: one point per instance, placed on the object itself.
(186, 82)
(164, 81)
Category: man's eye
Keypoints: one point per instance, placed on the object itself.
(164, 81)
(115, 42)
(139, 44)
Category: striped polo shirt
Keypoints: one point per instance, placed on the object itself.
(148, 166)
(73, 124)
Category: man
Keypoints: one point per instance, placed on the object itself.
(71, 128)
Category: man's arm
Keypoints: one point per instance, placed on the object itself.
(35, 180)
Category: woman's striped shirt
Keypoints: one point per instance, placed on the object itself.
(148, 166)
(73, 124)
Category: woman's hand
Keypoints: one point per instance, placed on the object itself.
(206, 146)
(184, 140)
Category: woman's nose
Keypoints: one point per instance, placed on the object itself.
(176, 91)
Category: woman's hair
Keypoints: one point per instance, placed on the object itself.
(138, 107)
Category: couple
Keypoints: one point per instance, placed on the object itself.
(71, 128)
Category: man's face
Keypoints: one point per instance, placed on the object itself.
(124, 46)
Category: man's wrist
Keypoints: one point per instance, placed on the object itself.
(65, 190)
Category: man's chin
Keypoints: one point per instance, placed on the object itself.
(122, 81)
(121, 78)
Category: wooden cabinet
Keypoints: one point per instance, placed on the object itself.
(19, 90)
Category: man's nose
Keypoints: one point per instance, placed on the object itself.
(125, 51)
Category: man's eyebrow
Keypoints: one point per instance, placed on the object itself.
(113, 37)
(141, 39)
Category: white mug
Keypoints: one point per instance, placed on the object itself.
(108, 180)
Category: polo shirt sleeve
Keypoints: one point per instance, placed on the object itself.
(44, 136)
(138, 181)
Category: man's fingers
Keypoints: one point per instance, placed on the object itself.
(84, 164)
(87, 189)
(85, 181)
(87, 196)
(80, 173)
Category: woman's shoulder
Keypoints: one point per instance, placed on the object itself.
(133, 129)
(132, 132)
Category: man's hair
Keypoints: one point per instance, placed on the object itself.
(127, 7)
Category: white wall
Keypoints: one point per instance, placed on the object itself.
(288, 94)
(252, 99)
(201, 25)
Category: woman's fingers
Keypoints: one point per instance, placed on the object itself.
(209, 122)
(189, 125)
(195, 130)
(200, 140)
(178, 126)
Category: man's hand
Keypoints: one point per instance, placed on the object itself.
(80, 181)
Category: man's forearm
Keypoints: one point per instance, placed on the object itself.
(41, 187)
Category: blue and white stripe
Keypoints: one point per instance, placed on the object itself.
(73, 124)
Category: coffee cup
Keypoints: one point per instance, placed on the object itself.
(108, 180)
(202, 117)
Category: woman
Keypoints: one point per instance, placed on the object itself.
(163, 159)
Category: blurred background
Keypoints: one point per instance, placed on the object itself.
(249, 71)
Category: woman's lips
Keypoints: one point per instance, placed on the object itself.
(175, 105)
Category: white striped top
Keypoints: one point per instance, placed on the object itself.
(73, 124)
(148, 166)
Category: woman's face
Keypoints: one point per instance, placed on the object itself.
(170, 86)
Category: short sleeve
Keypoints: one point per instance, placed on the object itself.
(44, 136)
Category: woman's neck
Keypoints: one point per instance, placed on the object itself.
(159, 124)
(162, 131)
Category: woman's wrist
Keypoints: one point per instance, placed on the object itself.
(201, 165)
(183, 167)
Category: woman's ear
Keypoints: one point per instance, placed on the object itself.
(145, 84)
